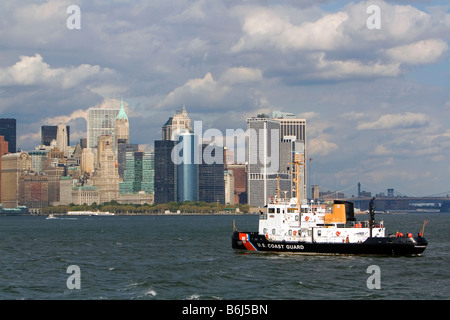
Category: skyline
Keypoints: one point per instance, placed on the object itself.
(377, 102)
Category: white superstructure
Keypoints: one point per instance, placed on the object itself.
(295, 219)
(316, 222)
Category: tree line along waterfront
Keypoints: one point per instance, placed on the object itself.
(187, 207)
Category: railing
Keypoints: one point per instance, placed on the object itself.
(275, 200)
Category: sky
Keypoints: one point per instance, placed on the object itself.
(376, 100)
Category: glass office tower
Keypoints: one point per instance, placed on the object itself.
(165, 187)
(139, 173)
(185, 157)
(211, 183)
(8, 130)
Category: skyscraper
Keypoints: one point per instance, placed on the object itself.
(13, 165)
(106, 178)
(272, 145)
(186, 167)
(165, 187)
(87, 161)
(148, 172)
(101, 121)
(211, 183)
(139, 173)
(62, 138)
(8, 130)
(3, 150)
(165, 170)
(122, 149)
(240, 182)
(49, 133)
(179, 123)
(122, 130)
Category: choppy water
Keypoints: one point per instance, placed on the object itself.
(190, 257)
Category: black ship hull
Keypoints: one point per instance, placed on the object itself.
(397, 246)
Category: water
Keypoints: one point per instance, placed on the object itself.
(190, 257)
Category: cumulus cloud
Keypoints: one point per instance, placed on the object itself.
(265, 28)
(241, 75)
(34, 23)
(32, 70)
(66, 118)
(344, 69)
(320, 146)
(199, 90)
(396, 121)
(420, 52)
(225, 93)
(338, 45)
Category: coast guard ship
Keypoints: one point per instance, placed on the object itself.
(294, 225)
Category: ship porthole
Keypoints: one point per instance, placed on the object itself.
(273, 231)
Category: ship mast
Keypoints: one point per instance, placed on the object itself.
(298, 161)
(278, 188)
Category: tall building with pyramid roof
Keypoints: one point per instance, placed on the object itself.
(122, 126)
(179, 123)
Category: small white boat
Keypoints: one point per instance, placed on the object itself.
(51, 217)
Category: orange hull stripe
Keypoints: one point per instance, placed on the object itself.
(247, 244)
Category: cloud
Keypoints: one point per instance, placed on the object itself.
(265, 28)
(32, 70)
(420, 52)
(381, 150)
(338, 45)
(268, 28)
(204, 90)
(320, 146)
(353, 115)
(225, 94)
(34, 24)
(344, 69)
(308, 115)
(241, 75)
(65, 119)
(193, 12)
(396, 121)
